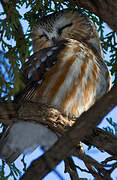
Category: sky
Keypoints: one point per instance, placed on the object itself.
(96, 154)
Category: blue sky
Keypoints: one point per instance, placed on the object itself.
(93, 152)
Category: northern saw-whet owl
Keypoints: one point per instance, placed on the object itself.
(67, 72)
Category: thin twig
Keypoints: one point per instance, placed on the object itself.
(71, 168)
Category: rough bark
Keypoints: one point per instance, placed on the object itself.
(84, 129)
(78, 132)
(106, 9)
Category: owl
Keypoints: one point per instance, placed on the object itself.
(66, 71)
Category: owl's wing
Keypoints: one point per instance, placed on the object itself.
(35, 68)
(14, 140)
(33, 72)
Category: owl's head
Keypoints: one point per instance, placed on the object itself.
(62, 25)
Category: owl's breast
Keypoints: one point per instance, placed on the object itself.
(73, 83)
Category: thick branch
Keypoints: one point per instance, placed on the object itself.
(106, 9)
(57, 122)
(103, 141)
(77, 133)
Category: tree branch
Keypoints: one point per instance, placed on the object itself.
(56, 121)
(83, 130)
(106, 9)
(77, 133)
(52, 118)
